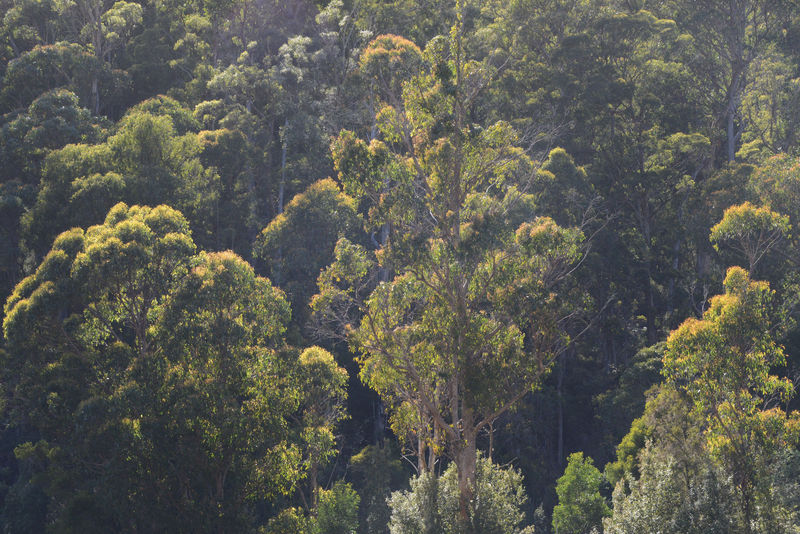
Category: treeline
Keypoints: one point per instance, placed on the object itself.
(321, 267)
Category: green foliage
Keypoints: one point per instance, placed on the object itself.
(768, 104)
(29, 23)
(580, 507)
(322, 406)
(61, 65)
(420, 21)
(723, 363)
(182, 118)
(566, 192)
(52, 121)
(14, 197)
(469, 322)
(298, 244)
(776, 183)
(628, 450)
(440, 244)
(116, 24)
(166, 374)
(625, 402)
(288, 521)
(431, 505)
(144, 162)
(227, 154)
(750, 231)
(677, 486)
(337, 512)
(660, 501)
(390, 60)
(376, 472)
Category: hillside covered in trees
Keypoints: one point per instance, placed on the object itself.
(400, 266)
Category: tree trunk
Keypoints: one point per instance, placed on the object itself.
(282, 185)
(651, 305)
(422, 465)
(466, 463)
(276, 271)
(312, 475)
(734, 93)
(747, 506)
(95, 96)
(676, 247)
(560, 383)
(731, 133)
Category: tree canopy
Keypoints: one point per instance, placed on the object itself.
(321, 266)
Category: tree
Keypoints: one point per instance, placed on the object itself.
(430, 505)
(389, 60)
(628, 451)
(661, 499)
(768, 106)
(723, 363)
(322, 406)
(376, 472)
(338, 510)
(775, 185)
(61, 65)
(52, 121)
(143, 162)
(728, 37)
(671, 483)
(750, 231)
(13, 199)
(104, 29)
(27, 24)
(155, 378)
(473, 318)
(580, 507)
(565, 192)
(229, 154)
(419, 21)
(298, 244)
(226, 398)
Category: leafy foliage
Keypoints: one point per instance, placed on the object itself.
(517, 214)
(163, 382)
(432, 502)
(580, 506)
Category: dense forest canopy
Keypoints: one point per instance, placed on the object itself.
(399, 266)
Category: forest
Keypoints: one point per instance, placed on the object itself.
(400, 266)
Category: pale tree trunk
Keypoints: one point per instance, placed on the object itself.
(432, 450)
(740, 59)
(466, 463)
(466, 458)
